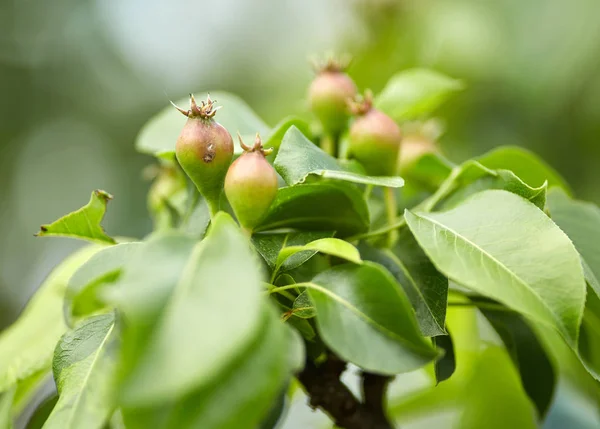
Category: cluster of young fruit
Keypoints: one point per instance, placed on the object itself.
(205, 148)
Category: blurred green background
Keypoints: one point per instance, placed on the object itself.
(79, 78)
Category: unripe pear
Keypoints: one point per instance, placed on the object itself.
(251, 185)
(204, 150)
(374, 139)
(328, 96)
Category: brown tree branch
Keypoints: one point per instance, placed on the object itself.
(326, 391)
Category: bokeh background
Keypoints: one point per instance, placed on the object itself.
(78, 78)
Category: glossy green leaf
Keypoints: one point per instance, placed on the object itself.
(366, 319)
(525, 164)
(83, 223)
(269, 245)
(84, 370)
(303, 306)
(26, 347)
(527, 353)
(581, 222)
(322, 206)
(81, 297)
(415, 93)
(241, 395)
(503, 247)
(446, 365)
(159, 135)
(198, 313)
(424, 286)
(298, 158)
(330, 246)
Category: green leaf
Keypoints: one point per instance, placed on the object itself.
(241, 395)
(84, 369)
(415, 93)
(159, 135)
(525, 164)
(581, 222)
(298, 158)
(270, 244)
(274, 138)
(472, 177)
(494, 398)
(446, 365)
(81, 297)
(527, 353)
(322, 206)
(217, 295)
(41, 413)
(365, 318)
(424, 286)
(26, 347)
(589, 337)
(330, 246)
(503, 247)
(430, 170)
(83, 223)
(6, 400)
(303, 306)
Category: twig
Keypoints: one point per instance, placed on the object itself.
(326, 391)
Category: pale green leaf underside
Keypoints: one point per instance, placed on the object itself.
(329, 246)
(365, 318)
(83, 223)
(219, 267)
(26, 347)
(298, 158)
(84, 365)
(581, 222)
(503, 247)
(415, 93)
(159, 135)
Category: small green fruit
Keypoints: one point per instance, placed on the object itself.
(251, 185)
(328, 96)
(374, 139)
(204, 150)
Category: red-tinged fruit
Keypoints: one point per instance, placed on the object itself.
(251, 185)
(374, 139)
(204, 150)
(328, 96)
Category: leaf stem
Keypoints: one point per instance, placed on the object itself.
(391, 209)
(282, 290)
(214, 207)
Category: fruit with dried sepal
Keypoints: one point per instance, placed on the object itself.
(251, 185)
(374, 139)
(204, 150)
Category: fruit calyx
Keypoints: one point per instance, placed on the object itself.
(361, 105)
(331, 64)
(206, 109)
(257, 147)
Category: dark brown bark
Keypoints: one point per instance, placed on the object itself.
(326, 391)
